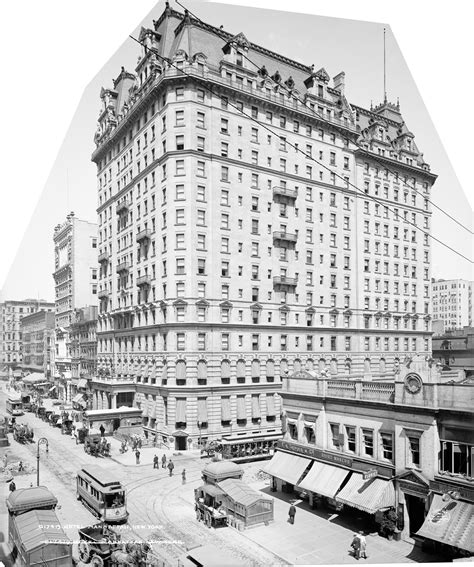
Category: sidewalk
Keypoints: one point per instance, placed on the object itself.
(147, 453)
(321, 538)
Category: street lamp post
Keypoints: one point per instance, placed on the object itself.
(41, 441)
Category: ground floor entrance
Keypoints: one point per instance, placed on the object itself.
(180, 443)
(416, 511)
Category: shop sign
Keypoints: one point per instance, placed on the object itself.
(316, 453)
(371, 473)
(444, 487)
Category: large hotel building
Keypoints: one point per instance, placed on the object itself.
(253, 224)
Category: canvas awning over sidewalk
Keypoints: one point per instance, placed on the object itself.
(324, 479)
(367, 495)
(287, 467)
(450, 522)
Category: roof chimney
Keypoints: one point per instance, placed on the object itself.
(339, 82)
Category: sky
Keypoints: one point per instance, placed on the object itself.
(355, 47)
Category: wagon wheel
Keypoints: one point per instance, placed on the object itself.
(84, 551)
(97, 561)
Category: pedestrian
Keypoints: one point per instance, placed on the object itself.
(155, 462)
(171, 467)
(183, 476)
(291, 514)
(356, 545)
(137, 457)
(163, 462)
(102, 430)
(12, 486)
(20, 466)
(363, 546)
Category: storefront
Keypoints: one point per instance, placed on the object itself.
(332, 480)
(448, 528)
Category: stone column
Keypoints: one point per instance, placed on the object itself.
(113, 400)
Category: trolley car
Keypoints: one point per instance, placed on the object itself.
(14, 406)
(102, 493)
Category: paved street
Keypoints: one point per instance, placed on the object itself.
(162, 509)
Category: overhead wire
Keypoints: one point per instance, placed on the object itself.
(296, 148)
(292, 94)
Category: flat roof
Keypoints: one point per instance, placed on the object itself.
(101, 474)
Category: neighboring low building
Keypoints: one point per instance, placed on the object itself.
(83, 343)
(456, 349)
(83, 349)
(11, 314)
(374, 445)
(37, 337)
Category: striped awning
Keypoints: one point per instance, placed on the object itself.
(367, 495)
(450, 522)
(256, 407)
(324, 479)
(270, 405)
(225, 409)
(287, 467)
(241, 409)
(202, 410)
(78, 398)
(181, 410)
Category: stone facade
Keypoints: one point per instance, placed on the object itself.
(37, 335)
(235, 246)
(11, 314)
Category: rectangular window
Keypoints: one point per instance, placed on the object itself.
(351, 438)
(414, 450)
(387, 445)
(368, 442)
(180, 341)
(179, 118)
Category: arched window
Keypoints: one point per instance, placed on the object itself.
(180, 370)
(367, 365)
(322, 364)
(333, 368)
(270, 369)
(164, 373)
(310, 364)
(225, 369)
(202, 370)
(348, 365)
(240, 372)
(382, 366)
(256, 368)
(297, 365)
(283, 368)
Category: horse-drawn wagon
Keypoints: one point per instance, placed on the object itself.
(23, 433)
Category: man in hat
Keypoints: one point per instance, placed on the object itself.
(156, 464)
(291, 514)
(171, 467)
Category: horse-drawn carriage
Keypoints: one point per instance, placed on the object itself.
(211, 448)
(96, 445)
(101, 546)
(23, 433)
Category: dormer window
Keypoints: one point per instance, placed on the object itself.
(381, 133)
(320, 90)
(239, 59)
(409, 145)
